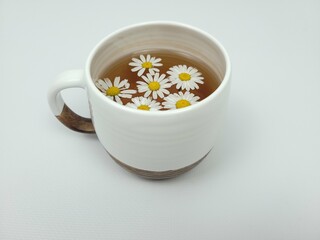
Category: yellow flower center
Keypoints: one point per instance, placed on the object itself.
(147, 65)
(144, 107)
(154, 86)
(184, 76)
(182, 103)
(112, 91)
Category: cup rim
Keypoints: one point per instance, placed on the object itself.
(203, 102)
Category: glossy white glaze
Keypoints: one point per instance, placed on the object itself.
(67, 79)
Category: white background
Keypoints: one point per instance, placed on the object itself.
(262, 180)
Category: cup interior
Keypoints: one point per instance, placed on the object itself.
(158, 36)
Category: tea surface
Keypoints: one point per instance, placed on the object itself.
(158, 80)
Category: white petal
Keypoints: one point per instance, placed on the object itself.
(131, 105)
(156, 77)
(192, 70)
(157, 60)
(150, 77)
(123, 83)
(165, 81)
(141, 83)
(171, 101)
(170, 106)
(134, 64)
(160, 94)
(137, 60)
(118, 100)
(166, 85)
(143, 59)
(172, 79)
(161, 77)
(154, 103)
(108, 82)
(199, 81)
(177, 70)
(102, 85)
(165, 91)
(192, 86)
(188, 97)
(130, 91)
(151, 71)
(147, 94)
(196, 74)
(116, 81)
(146, 101)
(142, 101)
(157, 64)
(136, 100)
(141, 71)
(101, 89)
(154, 95)
(125, 95)
(186, 86)
(145, 78)
(143, 88)
(170, 73)
(167, 100)
(184, 68)
(148, 58)
(136, 69)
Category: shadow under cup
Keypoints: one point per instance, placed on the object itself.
(161, 144)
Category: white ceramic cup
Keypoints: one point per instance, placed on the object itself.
(153, 144)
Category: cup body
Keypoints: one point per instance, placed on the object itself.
(158, 141)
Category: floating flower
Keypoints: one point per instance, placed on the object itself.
(117, 90)
(185, 77)
(143, 103)
(180, 100)
(144, 63)
(154, 84)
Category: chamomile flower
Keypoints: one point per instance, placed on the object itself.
(116, 90)
(145, 63)
(180, 100)
(185, 77)
(143, 103)
(155, 85)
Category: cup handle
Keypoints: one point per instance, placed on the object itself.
(68, 79)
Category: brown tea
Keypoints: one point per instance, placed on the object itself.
(158, 80)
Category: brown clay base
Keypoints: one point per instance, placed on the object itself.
(74, 121)
(157, 175)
